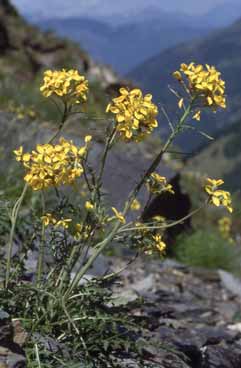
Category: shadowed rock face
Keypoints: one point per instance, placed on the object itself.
(173, 207)
(4, 39)
(8, 7)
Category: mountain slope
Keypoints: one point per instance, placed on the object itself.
(222, 49)
(222, 158)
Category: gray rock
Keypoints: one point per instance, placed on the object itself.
(11, 354)
(230, 282)
(220, 357)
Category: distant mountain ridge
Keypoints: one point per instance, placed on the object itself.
(127, 33)
(115, 11)
(126, 45)
(221, 48)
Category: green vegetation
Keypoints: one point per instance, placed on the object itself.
(206, 248)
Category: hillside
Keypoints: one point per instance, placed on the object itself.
(26, 117)
(26, 51)
(222, 158)
(222, 49)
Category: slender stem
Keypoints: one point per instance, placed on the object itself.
(173, 223)
(107, 147)
(102, 245)
(99, 248)
(37, 355)
(157, 160)
(105, 154)
(14, 216)
(41, 248)
(66, 113)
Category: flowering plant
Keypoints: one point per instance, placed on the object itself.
(80, 226)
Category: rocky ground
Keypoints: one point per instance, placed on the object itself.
(194, 314)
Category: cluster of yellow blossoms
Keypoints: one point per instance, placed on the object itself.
(224, 225)
(159, 243)
(49, 219)
(82, 232)
(218, 197)
(204, 84)
(67, 84)
(148, 241)
(157, 184)
(135, 114)
(52, 165)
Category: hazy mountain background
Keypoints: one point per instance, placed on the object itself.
(111, 9)
(221, 48)
(147, 42)
(125, 34)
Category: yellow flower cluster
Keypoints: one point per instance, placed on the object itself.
(21, 111)
(218, 197)
(148, 239)
(118, 215)
(67, 84)
(89, 206)
(82, 232)
(49, 219)
(157, 184)
(224, 225)
(52, 165)
(135, 114)
(159, 243)
(204, 84)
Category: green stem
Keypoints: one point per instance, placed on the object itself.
(157, 160)
(99, 248)
(107, 147)
(105, 154)
(103, 244)
(42, 246)
(165, 226)
(61, 126)
(14, 216)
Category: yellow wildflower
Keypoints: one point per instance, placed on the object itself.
(224, 225)
(63, 223)
(135, 206)
(160, 245)
(88, 138)
(82, 232)
(197, 115)
(89, 206)
(49, 219)
(52, 165)
(157, 184)
(66, 84)
(180, 103)
(177, 75)
(119, 215)
(218, 197)
(204, 84)
(135, 114)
